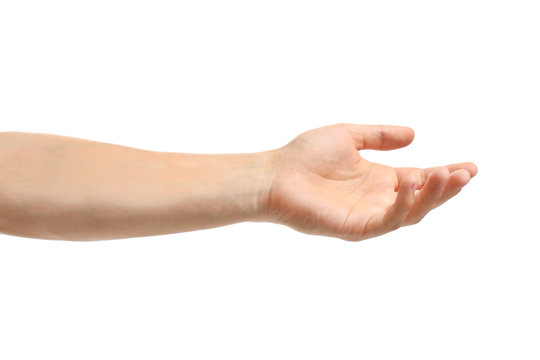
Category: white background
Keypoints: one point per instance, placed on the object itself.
(241, 76)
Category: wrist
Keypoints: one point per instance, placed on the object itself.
(266, 172)
(219, 189)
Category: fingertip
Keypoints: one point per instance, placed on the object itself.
(461, 177)
(409, 183)
(404, 201)
(441, 174)
(469, 166)
(446, 174)
(435, 183)
(410, 133)
(474, 170)
(405, 195)
(397, 136)
(410, 189)
(445, 170)
(414, 185)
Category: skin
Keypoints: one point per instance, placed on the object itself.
(66, 188)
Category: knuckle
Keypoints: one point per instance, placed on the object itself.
(417, 219)
(395, 226)
(352, 238)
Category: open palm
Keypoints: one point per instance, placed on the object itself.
(323, 186)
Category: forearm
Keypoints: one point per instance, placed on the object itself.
(57, 187)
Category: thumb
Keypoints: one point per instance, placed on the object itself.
(380, 137)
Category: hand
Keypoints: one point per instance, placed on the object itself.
(322, 185)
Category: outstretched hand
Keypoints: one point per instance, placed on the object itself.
(322, 185)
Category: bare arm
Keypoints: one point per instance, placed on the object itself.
(58, 187)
